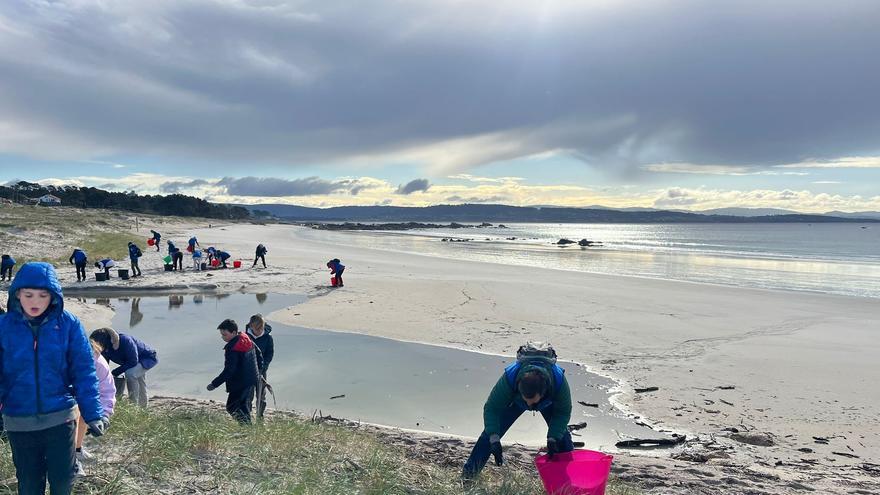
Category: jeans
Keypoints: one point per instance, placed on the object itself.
(80, 271)
(238, 404)
(135, 381)
(135, 269)
(6, 271)
(42, 453)
(481, 452)
(260, 257)
(339, 277)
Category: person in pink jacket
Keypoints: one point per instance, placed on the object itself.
(107, 392)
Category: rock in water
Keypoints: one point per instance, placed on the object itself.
(564, 241)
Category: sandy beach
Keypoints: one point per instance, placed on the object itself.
(775, 390)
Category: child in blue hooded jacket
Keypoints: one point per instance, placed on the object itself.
(46, 371)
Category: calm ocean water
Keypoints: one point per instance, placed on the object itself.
(832, 258)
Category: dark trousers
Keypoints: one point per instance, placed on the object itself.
(238, 404)
(135, 269)
(339, 277)
(80, 271)
(223, 262)
(37, 454)
(481, 452)
(260, 257)
(6, 271)
(107, 272)
(177, 260)
(157, 245)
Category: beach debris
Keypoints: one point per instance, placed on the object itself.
(587, 404)
(821, 440)
(337, 397)
(759, 439)
(578, 426)
(845, 454)
(699, 455)
(585, 243)
(725, 402)
(805, 450)
(725, 387)
(646, 389)
(564, 241)
(651, 442)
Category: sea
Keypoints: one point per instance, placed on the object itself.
(832, 258)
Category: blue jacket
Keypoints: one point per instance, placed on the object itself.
(8, 261)
(336, 267)
(156, 235)
(50, 368)
(129, 353)
(223, 255)
(192, 242)
(172, 248)
(134, 252)
(79, 257)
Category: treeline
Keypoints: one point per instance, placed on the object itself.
(91, 197)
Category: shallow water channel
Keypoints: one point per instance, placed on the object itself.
(382, 381)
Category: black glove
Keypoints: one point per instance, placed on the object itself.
(552, 447)
(98, 427)
(495, 449)
(211, 386)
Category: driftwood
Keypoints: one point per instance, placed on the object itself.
(587, 404)
(651, 442)
(646, 389)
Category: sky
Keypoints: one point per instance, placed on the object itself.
(659, 104)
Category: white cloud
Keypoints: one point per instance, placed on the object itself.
(844, 162)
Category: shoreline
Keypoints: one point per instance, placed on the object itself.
(640, 332)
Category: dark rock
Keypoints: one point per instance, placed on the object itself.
(759, 439)
(564, 241)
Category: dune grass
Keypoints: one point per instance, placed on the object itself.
(197, 451)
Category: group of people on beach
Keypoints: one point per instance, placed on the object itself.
(56, 384)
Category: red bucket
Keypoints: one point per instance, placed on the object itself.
(151, 241)
(579, 472)
(236, 264)
(333, 282)
(215, 262)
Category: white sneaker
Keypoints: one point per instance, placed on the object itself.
(84, 455)
(78, 470)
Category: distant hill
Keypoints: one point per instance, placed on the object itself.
(476, 213)
(91, 197)
(748, 212)
(858, 214)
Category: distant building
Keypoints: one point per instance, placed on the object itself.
(49, 200)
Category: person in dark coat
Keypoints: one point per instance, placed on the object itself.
(46, 372)
(261, 255)
(79, 259)
(134, 358)
(7, 262)
(259, 331)
(156, 238)
(134, 254)
(222, 256)
(241, 371)
(176, 255)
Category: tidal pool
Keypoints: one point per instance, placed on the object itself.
(352, 376)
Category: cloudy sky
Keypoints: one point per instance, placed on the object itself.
(673, 104)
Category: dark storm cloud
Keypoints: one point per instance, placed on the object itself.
(752, 83)
(414, 186)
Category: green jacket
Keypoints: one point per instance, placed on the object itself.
(502, 396)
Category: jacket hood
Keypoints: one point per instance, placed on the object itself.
(267, 329)
(36, 275)
(243, 344)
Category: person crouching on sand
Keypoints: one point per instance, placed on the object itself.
(105, 264)
(533, 383)
(336, 268)
(241, 371)
(47, 371)
(133, 357)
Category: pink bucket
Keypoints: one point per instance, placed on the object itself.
(579, 472)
